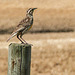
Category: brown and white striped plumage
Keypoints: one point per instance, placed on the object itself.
(23, 26)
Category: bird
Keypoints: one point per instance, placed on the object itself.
(23, 26)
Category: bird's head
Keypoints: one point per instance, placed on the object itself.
(30, 11)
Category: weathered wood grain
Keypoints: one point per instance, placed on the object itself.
(19, 59)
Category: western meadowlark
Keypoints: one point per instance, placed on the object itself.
(23, 26)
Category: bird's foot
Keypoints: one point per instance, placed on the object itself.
(22, 43)
(27, 43)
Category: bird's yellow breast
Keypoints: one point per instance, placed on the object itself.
(30, 27)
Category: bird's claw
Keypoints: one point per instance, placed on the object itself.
(27, 43)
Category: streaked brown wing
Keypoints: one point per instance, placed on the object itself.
(24, 22)
(22, 25)
(18, 29)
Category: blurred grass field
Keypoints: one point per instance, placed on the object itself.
(51, 16)
(53, 52)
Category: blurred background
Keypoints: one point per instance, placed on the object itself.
(52, 34)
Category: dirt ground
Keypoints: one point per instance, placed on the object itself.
(52, 53)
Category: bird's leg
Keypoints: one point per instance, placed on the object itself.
(20, 39)
(25, 41)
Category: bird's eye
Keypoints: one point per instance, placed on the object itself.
(30, 12)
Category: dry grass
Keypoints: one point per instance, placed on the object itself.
(51, 15)
(52, 53)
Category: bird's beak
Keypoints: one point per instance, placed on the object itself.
(34, 8)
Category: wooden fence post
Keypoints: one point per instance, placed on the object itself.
(19, 59)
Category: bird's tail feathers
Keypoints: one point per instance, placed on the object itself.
(12, 35)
